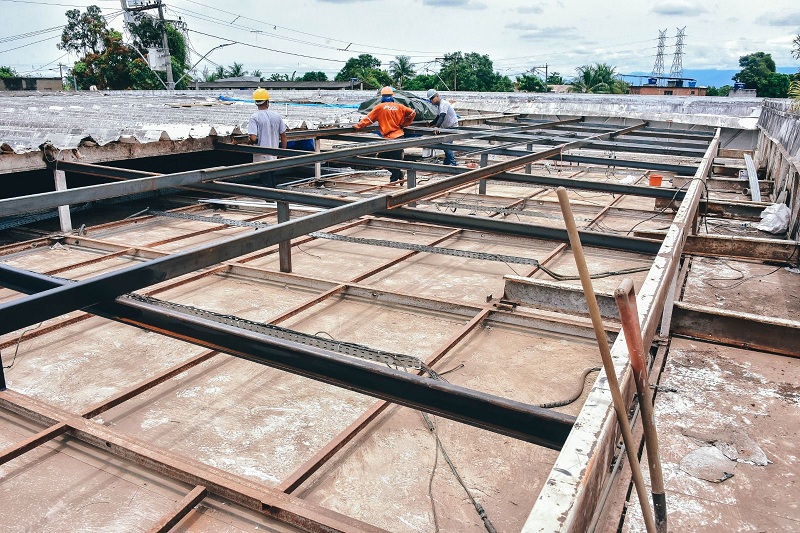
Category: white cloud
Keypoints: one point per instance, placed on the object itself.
(679, 8)
(780, 19)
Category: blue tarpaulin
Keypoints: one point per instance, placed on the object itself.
(251, 101)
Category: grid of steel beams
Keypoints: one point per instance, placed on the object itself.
(522, 143)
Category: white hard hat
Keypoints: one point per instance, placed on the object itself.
(432, 93)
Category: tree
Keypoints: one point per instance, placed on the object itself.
(531, 84)
(599, 78)
(235, 71)
(84, 32)
(400, 69)
(7, 72)
(314, 76)
(718, 91)
(357, 65)
(146, 33)
(796, 49)
(555, 78)
(256, 73)
(473, 72)
(423, 82)
(759, 73)
(366, 68)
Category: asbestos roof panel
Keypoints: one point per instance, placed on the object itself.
(65, 120)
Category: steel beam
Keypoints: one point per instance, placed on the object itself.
(80, 195)
(493, 413)
(743, 330)
(432, 188)
(54, 302)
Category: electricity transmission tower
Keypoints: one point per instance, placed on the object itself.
(658, 68)
(677, 60)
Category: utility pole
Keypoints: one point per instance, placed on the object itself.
(165, 43)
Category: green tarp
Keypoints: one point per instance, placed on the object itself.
(424, 109)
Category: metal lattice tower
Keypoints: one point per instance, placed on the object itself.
(677, 60)
(658, 68)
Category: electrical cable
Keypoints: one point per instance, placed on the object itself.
(577, 394)
(266, 48)
(19, 341)
(327, 38)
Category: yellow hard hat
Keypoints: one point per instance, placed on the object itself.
(260, 95)
(387, 91)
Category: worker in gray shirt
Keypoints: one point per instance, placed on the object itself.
(446, 119)
(266, 128)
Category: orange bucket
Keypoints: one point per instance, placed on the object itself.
(655, 180)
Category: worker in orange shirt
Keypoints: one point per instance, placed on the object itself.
(391, 117)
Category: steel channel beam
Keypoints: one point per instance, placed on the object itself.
(445, 219)
(500, 415)
(591, 160)
(516, 177)
(423, 191)
(630, 145)
(29, 310)
(503, 227)
(49, 200)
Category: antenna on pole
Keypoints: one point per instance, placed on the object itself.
(658, 68)
(677, 60)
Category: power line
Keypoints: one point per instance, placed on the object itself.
(266, 48)
(48, 3)
(328, 38)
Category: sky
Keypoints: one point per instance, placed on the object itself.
(517, 35)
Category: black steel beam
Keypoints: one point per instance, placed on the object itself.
(516, 177)
(80, 195)
(684, 170)
(504, 227)
(431, 188)
(29, 310)
(500, 415)
(484, 224)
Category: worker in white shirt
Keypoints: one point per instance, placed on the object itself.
(445, 119)
(266, 128)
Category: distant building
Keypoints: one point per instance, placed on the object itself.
(667, 91)
(31, 84)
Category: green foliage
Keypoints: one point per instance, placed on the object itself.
(796, 47)
(473, 72)
(555, 78)
(314, 76)
(109, 63)
(257, 73)
(718, 91)
(758, 72)
(794, 94)
(366, 68)
(530, 83)
(599, 78)
(423, 82)
(84, 32)
(401, 69)
(235, 71)
(7, 72)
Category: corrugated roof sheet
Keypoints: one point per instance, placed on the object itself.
(27, 121)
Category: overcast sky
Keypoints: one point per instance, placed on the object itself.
(517, 35)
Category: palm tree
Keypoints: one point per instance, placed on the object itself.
(400, 69)
(236, 70)
(219, 73)
(599, 78)
(256, 73)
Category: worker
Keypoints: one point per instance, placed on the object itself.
(446, 118)
(266, 128)
(391, 117)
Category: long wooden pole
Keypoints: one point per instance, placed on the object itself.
(608, 363)
(629, 316)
